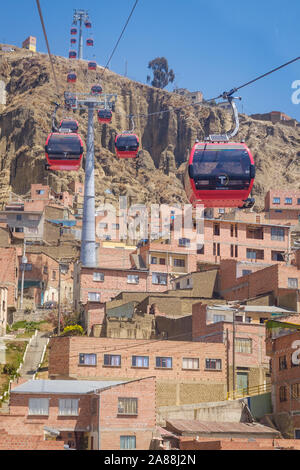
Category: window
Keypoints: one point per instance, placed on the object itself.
(215, 364)
(221, 211)
(102, 225)
(295, 391)
(40, 191)
(68, 407)
(162, 261)
(94, 296)
(140, 361)
(200, 249)
(243, 345)
(256, 233)
(113, 360)
(293, 282)
(98, 277)
(282, 394)
(288, 200)
(245, 272)
(94, 406)
(177, 285)
(127, 406)
(26, 267)
(53, 275)
(190, 363)
(115, 226)
(217, 318)
(231, 251)
(298, 200)
(179, 262)
(45, 270)
(276, 200)
(217, 229)
(127, 442)
(159, 278)
(19, 217)
(87, 359)
(19, 229)
(38, 406)
(255, 254)
(153, 260)
(236, 251)
(133, 279)
(164, 362)
(277, 255)
(277, 233)
(184, 242)
(282, 363)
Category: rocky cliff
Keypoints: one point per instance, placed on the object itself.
(165, 138)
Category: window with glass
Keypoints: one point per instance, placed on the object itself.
(277, 233)
(127, 442)
(153, 260)
(184, 242)
(190, 363)
(282, 394)
(245, 272)
(298, 201)
(98, 277)
(159, 278)
(132, 279)
(288, 200)
(276, 200)
(68, 407)
(38, 406)
(162, 261)
(243, 345)
(215, 364)
(127, 406)
(164, 362)
(94, 296)
(87, 359)
(112, 360)
(293, 282)
(140, 361)
(277, 255)
(282, 363)
(179, 262)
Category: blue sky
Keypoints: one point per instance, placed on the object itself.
(212, 45)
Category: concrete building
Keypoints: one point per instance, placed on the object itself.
(276, 117)
(30, 43)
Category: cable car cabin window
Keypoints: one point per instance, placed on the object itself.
(214, 169)
(64, 146)
(71, 125)
(127, 143)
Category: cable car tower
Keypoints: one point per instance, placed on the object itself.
(82, 17)
(90, 102)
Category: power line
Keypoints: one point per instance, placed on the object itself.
(122, 32)
(47, 43)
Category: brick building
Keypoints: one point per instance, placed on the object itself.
(94, 415)
(186, 372)
(214, 323)
(283, 206)
(9, 275)
(276, 117)
(282, 345)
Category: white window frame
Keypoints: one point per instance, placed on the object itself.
(133, 279)
(98, 277)
(191, 363)
(93, 294)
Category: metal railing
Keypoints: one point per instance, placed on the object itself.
(249, 391)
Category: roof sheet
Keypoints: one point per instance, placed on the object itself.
(193, 426)
(69, 387)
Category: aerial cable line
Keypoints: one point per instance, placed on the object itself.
(224, 95)
(47, 43)
(117, 43)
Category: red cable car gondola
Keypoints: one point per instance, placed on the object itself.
(68, 125)
(63, 151)
(73, 31)
(73, 41)
(220, 175)
(104, 115)
(72, 55)
(127, 145)
(89, 42)
(92, 66)
(96, 90)
(71, 77)
(88, 24)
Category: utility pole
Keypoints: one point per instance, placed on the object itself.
(62, 268)
(24, 262)
(233, 351)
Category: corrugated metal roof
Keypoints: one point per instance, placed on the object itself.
(252, 308)
(69, 387)
(193, 426)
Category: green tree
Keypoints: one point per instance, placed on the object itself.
(162, 76)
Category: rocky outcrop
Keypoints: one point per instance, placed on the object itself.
(166, 138)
